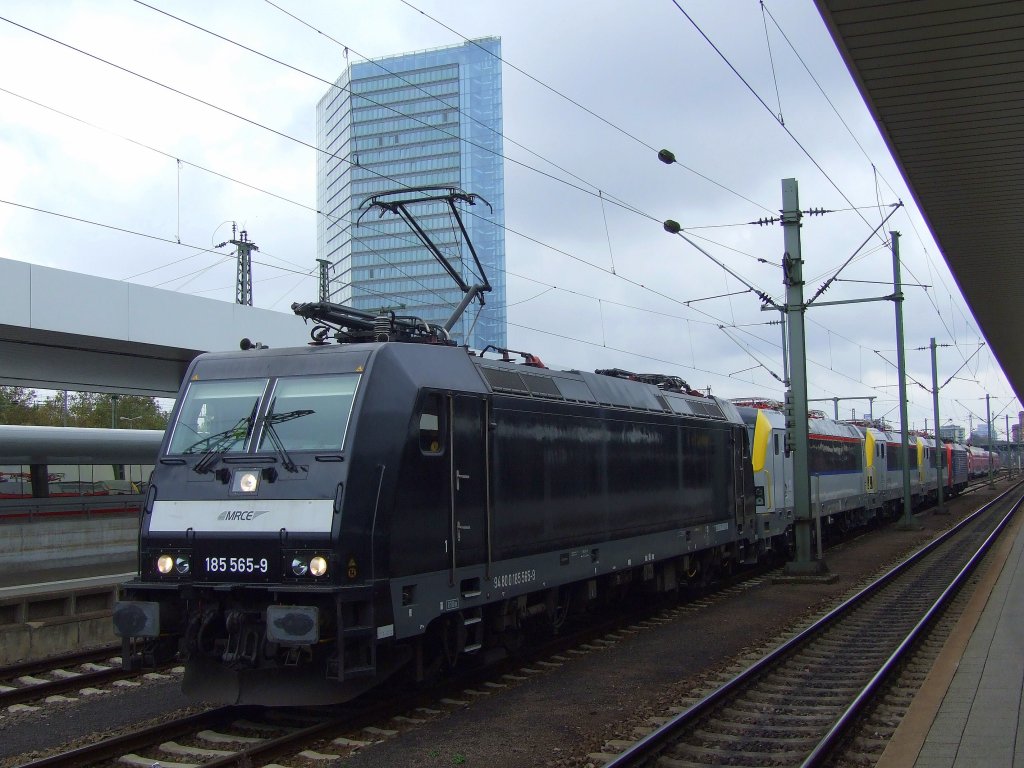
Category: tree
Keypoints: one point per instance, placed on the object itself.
(16, 405)
(19, 405)
(137, 412)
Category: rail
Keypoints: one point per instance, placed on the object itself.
(646, 748)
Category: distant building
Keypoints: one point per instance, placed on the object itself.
(419, 119)
(980, 435)
(954, 433)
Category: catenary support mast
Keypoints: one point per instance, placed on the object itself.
(804, 562)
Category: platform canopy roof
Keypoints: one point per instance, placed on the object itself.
(945, 82)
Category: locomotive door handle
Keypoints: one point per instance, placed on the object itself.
(458, 477)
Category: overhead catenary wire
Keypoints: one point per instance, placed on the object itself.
(584, 108)
(307, 207)
(545, 244)
(786, 129)
(686, 302)
(583, 261)
(771, 59)
(877, 174)
(309, 275)
(307, 144)
(782, 125)
(775, 117)
(425, 124)
(753, 357)
(599, 193)
(716, 321)
(205, 170)
(456, 107)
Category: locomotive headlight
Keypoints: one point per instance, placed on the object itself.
(164, 564)
(318, 566)
(246, 481)
(182, 565)
(299, 566)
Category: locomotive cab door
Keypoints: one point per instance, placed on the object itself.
(468, 468)
(743, 481)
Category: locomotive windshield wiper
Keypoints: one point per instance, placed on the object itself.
(217, 443)
(268, 423)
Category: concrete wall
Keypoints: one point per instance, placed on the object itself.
(48, 546)
(50, 624)
(39, 622)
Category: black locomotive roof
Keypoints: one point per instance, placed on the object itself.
(437, 366)
(450, 367)
(582, 387)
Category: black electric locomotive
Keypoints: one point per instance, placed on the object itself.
(321, 516)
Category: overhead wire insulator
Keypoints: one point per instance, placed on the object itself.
(763, 222)
(672, 227)
(667, 156)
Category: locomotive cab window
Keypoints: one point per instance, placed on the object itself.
(310, 413)
(217, 415)
(432, 424)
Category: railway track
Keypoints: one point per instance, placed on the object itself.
(36, 666)
(86, 671)
(796, 705)
(252, 736)
(245, 736)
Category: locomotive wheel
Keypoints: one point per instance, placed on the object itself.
(511, 634)
(707, 572)
(439, 649)
(453, 639)
(560, 610)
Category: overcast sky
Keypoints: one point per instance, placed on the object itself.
(590, 284)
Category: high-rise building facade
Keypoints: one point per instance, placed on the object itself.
(424, 119)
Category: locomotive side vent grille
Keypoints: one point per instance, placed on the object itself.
(680, 406)
(505, 381)
(713, 410)
(541, 386)
(575, 389)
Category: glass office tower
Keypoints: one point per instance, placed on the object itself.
(430, 118)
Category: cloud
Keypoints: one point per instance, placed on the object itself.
(645, 69)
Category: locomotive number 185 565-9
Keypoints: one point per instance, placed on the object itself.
(237, 565)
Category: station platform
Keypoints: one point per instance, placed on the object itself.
(968, 713)
(34, 581)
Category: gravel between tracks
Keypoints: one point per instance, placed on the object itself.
(557, 717)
